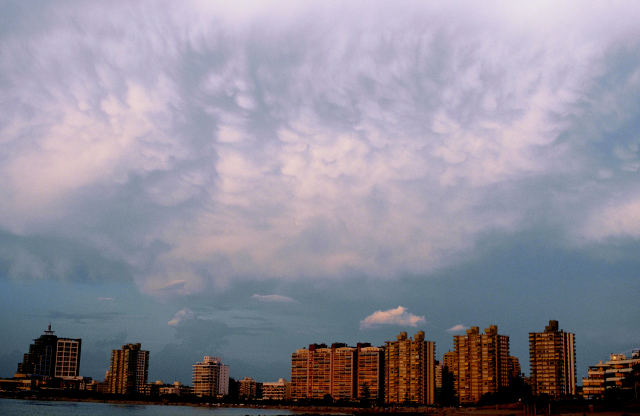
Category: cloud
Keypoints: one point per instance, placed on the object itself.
(273, 298)
(457, 328)
(197, 145)
(105, 299)
(617, 219)
(398, 316)
(180, 316)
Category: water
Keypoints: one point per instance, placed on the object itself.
(10, 407)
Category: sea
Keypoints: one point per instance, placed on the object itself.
(12, 407)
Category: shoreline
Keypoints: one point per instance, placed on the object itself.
(510, 409)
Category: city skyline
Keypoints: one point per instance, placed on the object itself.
(239, 180)
(402, 371)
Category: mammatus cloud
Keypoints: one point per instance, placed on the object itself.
(398, 316)
(273, 298)
(457, 328)
(181, 315)
(198, 144)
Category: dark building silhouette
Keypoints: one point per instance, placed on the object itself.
(51, 356)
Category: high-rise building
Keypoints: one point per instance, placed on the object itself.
(343, 372)
(210, 378)
(299, 373)
(68, 357)
(409, 370)
(370, 372)
(319, 379)
(128, 370)
(321, 371)
(514, 368)
(481, 363)
(447, 392)
(52, 356)
(552, 356)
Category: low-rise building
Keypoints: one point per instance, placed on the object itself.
(619, 373)
(276, 390)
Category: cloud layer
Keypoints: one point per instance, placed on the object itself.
(195, 144)
(273, 298)
(398, 316)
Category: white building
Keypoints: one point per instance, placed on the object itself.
(210, 377)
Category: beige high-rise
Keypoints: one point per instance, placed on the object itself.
(409, 370)
(320, 371)
(128, 370)
(343, 372)
(210, 377)
(552, 358)
(370, 372)
(480, 363)
(299, 373)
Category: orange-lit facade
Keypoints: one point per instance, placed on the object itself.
(370, 372)
(299, 373)
(409, 370)
(128, 370)
(481, 363)
(620, 373)
(552, 356)
(339, 371)
(343, 372)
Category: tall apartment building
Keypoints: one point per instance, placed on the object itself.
(552, 356)
(514, 368)
(319, 379)
(299, 373)
(370, 372)
(343, 372)
(128, 370)
(210, 377)
(340, 371)
(409, 370)
(481, 363)
(52, 356)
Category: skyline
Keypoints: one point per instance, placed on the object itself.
(200, 176)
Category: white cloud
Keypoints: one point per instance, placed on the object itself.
(181, 315)
(105, 299)
(398, 316)
(457, 328)
(617, 219)
(273, 298)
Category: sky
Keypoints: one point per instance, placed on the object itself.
(242, 179)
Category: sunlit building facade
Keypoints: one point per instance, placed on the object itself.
(210, 378)
(276, 390)
(409, 370)
(481, 363)
(620, 373)
(552, 356)
(370, 375)
(128, 370)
